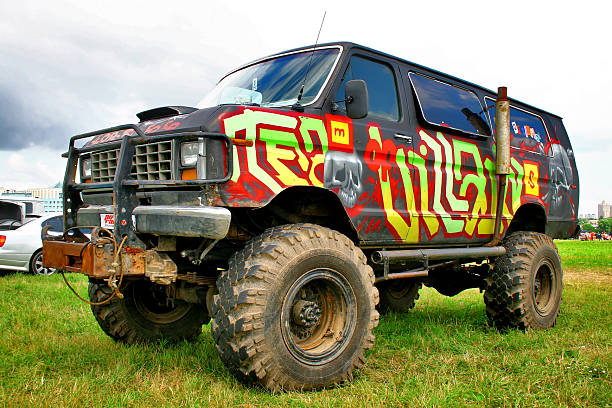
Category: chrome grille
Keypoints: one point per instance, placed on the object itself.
(152, 161)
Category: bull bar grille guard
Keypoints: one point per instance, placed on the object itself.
(124, 188)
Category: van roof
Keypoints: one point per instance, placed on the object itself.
(348, 44)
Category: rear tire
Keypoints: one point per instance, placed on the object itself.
(524, 289)
(296, 309)
(398, 295)
(142, 316)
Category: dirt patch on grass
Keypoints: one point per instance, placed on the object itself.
(601, 277)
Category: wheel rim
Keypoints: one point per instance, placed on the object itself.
(543, 288)
(153, 303)
(318, 316)
(39, 269)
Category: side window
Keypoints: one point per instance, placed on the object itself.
(382, 91)
(527, 131)
(449, 106)
(55, 223)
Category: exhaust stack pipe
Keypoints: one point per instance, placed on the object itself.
(502, 131)
(502, 150)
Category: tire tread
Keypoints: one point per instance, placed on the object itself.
(238, 309)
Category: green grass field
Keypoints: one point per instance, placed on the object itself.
(443, 353)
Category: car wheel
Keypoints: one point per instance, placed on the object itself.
(296, 309)
(145, 314)
(398, 295)
(36, 265)
(524, 290)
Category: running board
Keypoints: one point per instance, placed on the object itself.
(426, 255)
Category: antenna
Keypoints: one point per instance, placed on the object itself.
(299, 98)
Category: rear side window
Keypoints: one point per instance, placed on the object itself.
(449, 106)
(382, 91)
(527, 131)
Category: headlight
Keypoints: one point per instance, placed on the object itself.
(86, 168)
(189, 154)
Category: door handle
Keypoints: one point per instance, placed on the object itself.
(404, 137)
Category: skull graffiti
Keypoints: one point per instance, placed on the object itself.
(561, 178)
(343, 171)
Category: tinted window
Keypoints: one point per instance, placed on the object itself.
(382, 91)
(55, 223)
(446, 105)
(527, 132)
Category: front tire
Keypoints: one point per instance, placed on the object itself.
(524, 289)
(144, 315)
(296, 309)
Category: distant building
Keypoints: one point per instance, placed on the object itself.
(51, 192)
(53, 204)
(50, 197)
(15, 193)
(604, 210)
(588, 216)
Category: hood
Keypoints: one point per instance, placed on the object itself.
(164, 112)
(167, 118)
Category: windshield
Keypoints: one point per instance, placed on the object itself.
(275, 82)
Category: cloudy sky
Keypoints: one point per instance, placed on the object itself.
(68, 67)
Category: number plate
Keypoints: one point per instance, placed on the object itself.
(107, 221)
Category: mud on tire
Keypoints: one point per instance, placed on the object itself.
(524, 289)
(142, 315)
(398, 295)
(296, 309)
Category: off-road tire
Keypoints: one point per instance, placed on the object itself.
(252, 329)
(524, 289)
(398, 295)
(136, 319)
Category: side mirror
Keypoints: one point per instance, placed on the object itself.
(356, 94)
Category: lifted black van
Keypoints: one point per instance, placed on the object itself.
(308, 191)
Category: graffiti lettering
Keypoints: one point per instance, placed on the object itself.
(440, 186)
(445, 182)
(289, 151)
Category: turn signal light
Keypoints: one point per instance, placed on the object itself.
(2, 240)
(189, 174)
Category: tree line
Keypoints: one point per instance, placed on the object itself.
(605, 225)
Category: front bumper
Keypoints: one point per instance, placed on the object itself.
(184, 221)
(95, 258)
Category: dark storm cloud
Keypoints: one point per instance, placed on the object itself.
(80, 77)
(20, 128)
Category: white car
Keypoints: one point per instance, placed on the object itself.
(21, 247)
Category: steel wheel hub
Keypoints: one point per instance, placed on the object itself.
(318, 316)
(306, 313)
